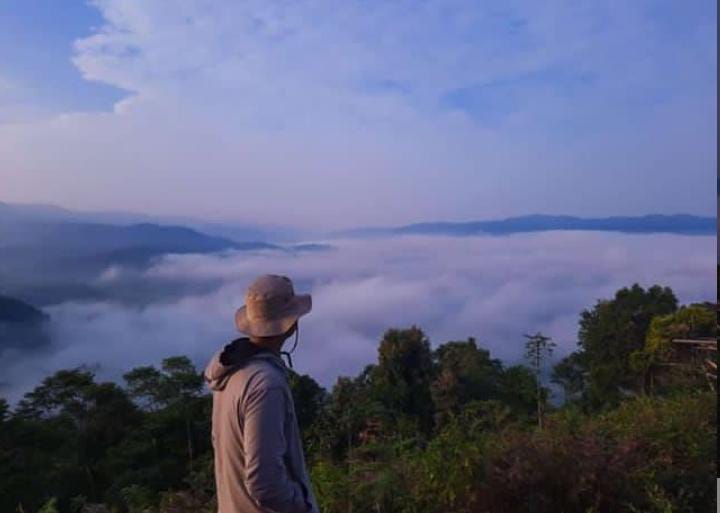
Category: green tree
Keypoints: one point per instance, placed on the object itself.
(349, 409)
(539, 348)
(464, 373)
(695, 321)
(402, 379)
(64, 430)
(571, 374)
(175, 389)
(177, 381)
(518, 391)
(74, 444)
(691, 321)
(309, 398)
(609, 333)
(4, 410)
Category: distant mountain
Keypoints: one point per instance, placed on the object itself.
(310, 248)
(14, 213)
(49, 256)
(22, 326)
(110, 243)
(677, 224)
(50, 262)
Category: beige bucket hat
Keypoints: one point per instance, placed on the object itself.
(271, 307)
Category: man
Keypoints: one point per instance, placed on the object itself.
(259, 462)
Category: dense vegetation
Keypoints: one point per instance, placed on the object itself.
(449, 429)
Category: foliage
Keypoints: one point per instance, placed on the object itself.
(693, 321)
(655, 359)
(419, 431)
(309, 398)
(465, 373)
(609, 333)
(572, 373)
(402, 378)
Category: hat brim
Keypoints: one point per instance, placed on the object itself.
(300, 305)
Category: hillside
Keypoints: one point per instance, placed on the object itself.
(94, 238)
(15, 311)
(21, 325)
(50, 262)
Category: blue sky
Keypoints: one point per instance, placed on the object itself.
(36, 41)
(332, 115)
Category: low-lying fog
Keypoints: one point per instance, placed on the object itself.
(491, 288)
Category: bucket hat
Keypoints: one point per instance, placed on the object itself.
(271, 307)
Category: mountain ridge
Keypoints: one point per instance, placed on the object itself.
(683, 224)
(47, 213)
(50, 258)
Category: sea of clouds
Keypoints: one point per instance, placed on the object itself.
(492, 288)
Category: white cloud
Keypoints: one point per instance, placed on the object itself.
(333, 114)
(493, 288)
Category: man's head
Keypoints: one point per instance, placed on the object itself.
(271, 311)
(274, 343)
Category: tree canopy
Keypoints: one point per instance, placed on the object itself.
(600, 371)
(423, 428)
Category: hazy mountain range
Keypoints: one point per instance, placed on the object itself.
(50, 254)
(676, 224)
(14, 213)
(114, 282)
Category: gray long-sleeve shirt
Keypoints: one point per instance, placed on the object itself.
(259, 462)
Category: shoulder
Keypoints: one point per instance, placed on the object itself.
(258, 375)
(268, 371)
(266, 390)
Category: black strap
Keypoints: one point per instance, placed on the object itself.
(288, 353)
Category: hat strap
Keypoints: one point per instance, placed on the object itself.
(288, 353)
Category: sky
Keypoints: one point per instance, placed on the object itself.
(332, 114)
(492, 288)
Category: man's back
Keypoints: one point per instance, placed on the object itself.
(259, 463)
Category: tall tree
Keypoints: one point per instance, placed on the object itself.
(309, 398)
(518, 390)
(571, 374)
(176, 381)
(402, 378)
(173, 391)
(71, 423)
(609, 334)
(539, 348)
(351, 408)
(465, 373)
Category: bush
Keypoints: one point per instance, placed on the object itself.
(650, 455)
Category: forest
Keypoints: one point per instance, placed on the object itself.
(618, 425)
